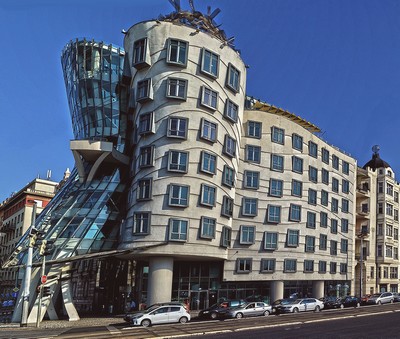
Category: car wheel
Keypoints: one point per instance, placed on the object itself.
(266, 313)
(358, 305)
(213, 315)
(341, 306)
(183, 320)
(295, 310)
(317, 309)
(145, 323)
(379, 302)
(239, 315)
(391, 301)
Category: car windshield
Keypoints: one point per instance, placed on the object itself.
(151, 308)
(294, 301)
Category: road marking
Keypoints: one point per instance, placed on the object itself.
(113, 330)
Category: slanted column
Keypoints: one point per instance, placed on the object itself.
(318, 289)
(160, 280)
(277, 288)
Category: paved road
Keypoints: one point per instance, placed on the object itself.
(325, 324)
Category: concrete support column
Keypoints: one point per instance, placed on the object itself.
(277, 288)
(160, 280)
(318, 289)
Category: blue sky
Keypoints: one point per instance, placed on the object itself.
(335, 63)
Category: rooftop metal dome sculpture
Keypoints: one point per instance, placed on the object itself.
(376, 161)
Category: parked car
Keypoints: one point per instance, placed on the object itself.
(381, 298)
(219, 310)
(128, 317)
(349, 301)
(251, 309)
(365, 298)
(277, 304)
(302, 305)
(331, 302)
(396, 297)
(161, 315)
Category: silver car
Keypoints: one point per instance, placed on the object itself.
(381, 298)
(303, 305)
(251, 309)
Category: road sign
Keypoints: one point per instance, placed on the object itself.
(43, 279)
(15, 289)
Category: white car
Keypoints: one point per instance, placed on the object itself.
(250, 309)
(381, 298)
(302, 305)
(161, 315)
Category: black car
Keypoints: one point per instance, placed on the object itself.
(219, 310)
(277, 305)
(331, 302)
(348, 301)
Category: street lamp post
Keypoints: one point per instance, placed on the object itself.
(28, 270)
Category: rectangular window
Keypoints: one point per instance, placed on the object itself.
(389, 189)
(344, 245)
(312, 196)
(177, 52)
(251, 179)
(208, 226)
(308, 266)
(345, 186)
(310, 244)
(178, 161)
(254, 129)
(343, 268)
(311, 219)
(275, 187)
(322, 267)
(209, 98)
(295, 212)
(335, 162)
(274, 214)
(379, 251)
(325, 176)
(178, 229)
(231, 110)
(333, 247)
(176, 88)
(139, 53)
(389, 209)
(380, 187)
(278, 135)
(312, 149)
(334, 226)
(141, 223)
(233, 79)
(210, 63)
(253, 153)
(335, 185)
(146, 156)
(312, 174)
(208, 162)
(345, 167)
(323, 219)
(297, 142)
(227, 206)
(332, 269)
(249, 207)
(208, 130)
(290, 265)
(323, 242)
(267, 265)
(146, 123)
(277, 162)
(144, 189)
(229, 146)
(178, 195)
(345, 225)
(334, 205)
(325, 156)
(297, 164)
(297, 188)
(243, 265)
(389, 230)
(247, 235)
(228, 177)
(324, 198)
(143, 92)
(208, 194)
(177, 127)
(395, 233)
(270, 241)
(292, 238)
(345, 206)
(226, 237)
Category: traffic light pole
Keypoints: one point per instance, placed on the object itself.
(39, 313)
(28, 273)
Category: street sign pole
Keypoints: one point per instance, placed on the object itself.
(43, 281)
